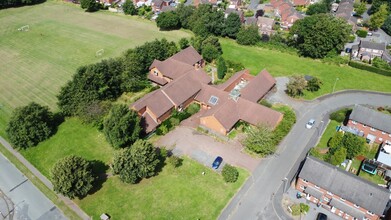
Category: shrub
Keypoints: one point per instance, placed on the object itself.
(221, 68)
(248, 36)
(362, 33)
(265, 103)
(340, 115)
(296, 86)
(285, 125)
(314, 84)
(230, 173)
(248, 13)
(297, 209)
(162, 130)
(193, 108)
(174, 161)
(174, 122)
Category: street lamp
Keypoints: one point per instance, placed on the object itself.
(335, 83)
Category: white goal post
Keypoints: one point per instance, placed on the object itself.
(99, 52)
(24, 28)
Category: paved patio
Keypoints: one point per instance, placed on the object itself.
(203, 148)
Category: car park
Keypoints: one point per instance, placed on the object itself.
(310, 123)
(217, 162)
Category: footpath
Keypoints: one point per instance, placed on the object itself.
(43, 179)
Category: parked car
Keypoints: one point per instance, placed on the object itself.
(321, 216)
(310, 123)
(216, 163)
(370, 34)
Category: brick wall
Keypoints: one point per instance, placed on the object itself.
(381, 136)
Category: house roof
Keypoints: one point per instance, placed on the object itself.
(167, 8)
(159, 80)
(171, 68)
(156, 101)
(372, 45)
(300, 2)
(371, 118)
(265, 21)
(346, 185)
(148, 123)
(188, 55)
(251, 21)
(258, 86)
(231, 82)
(345, 9)
(157, 2)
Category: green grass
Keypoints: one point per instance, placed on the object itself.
(328, 133)
(72, 137)
(48, 193)
(373, 178)
(62, 37)
(181, 193)
(283, 64)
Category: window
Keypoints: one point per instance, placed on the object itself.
(213, 100)
(389, 135)
(356, 206)
(302, 187)
(305, 181)
(364, 126)
(155, 72)
(342, 199)
(383, 132)
(370, 213)
(380, 139)
(354, 122)
(316, 186)
(326, 199)
(329, 193)
(372, 129)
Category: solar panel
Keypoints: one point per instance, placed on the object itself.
(213, 100)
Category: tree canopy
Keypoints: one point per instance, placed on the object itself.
(122, 126)
(72, 176)
(387, 25)
(129, 8)
(89, 5)
(168, 21)
(360, 8)
(13, 3)
(316, 8)
(296, 86)
(317, 35)
(248, 35)
(232, 25)
(137, 162)
(30, 125)
(378, 18)
(260, 140)
(183, 43)
(221, 68)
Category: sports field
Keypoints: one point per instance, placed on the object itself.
(36, 63)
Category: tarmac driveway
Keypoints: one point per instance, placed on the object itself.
(204, 149)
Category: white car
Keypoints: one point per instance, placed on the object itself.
(310, 123)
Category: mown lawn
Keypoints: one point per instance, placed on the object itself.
(62, 37)
(181, 193)
(283, 64)
(328, 133)
(72, 137)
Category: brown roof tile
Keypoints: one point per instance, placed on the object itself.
(189, 56)
(258, 86)
(171, 68)
(255, 113)
(148, 123)
(159, 80)
(156, 101)
(231, 82)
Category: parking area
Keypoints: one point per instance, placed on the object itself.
(204, 149)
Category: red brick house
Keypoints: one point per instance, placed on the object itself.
(285, 10)
(341, 192)
(371, 124)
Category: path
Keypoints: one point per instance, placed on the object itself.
(43, 179)
(255, 200)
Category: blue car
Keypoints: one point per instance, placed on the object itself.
(216, 163)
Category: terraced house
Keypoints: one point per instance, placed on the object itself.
(341, 192)
(183, 81)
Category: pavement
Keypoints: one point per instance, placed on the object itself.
(204, 148)
(21, 199)
(261, 195)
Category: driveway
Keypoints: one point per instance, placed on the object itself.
(203, 148)
(20, 198)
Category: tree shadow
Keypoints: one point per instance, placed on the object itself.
(99, 169)
(58, 119)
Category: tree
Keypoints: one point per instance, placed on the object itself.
(338, 157)
(213, 41)
(30, 125)
(248, 35)
(137, 162)
(89, 5)
(129, 8)
(354, 145)
(209, 53)
(72, 176)
(122, 126)
(314, 84)
(221, 68)
(335, 142)
(387, 25)
(185, 13)
(230, 173)
(360, 8)
(183, 43)
(316, 8)
(319, 35)
(260, 140)
(296, 86)
(168, 21)
(377, 19)
(232, 25)
(380, 63)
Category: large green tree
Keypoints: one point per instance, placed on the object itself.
(316, 8)
(129, 8)
(360, 8)
(168, 21)
(387, 25)
(139, 161)
(221, 68)
(89, 5)
(232, 25)
(354, 145)
(377, 19)
(317, 35)
(338, 157)
(30, 125)
(183, 43)
(72, 176)
(209, 53)
(185, 13)
(122, 126)
(296, 86)
(248, 35)
(260, 140)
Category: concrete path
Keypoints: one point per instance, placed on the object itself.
(203, 148)
(43, 179)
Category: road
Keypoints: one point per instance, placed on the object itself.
(26, 201)
(255, 199)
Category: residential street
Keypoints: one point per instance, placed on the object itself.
(23, 199)
(254, 200)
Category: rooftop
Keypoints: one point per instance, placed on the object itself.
(371, 117)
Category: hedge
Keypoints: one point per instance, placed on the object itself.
(369, 68)
(362, 33)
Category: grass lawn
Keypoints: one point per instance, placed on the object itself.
(62, 37)
(283, 64)
(328, 133)
(72, 137)
(181, 193)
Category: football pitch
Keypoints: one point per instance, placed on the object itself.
(60, 37)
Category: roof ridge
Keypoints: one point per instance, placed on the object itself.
(168, 97)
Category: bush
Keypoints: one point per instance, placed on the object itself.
(248, 36)
(221, 68)
(285, 125)
(265, 103)
(193, 108)
(369, 68)
(230, 173)
(248, 13)
(340, 115)
(297, 209)
(174, 161)
(362, 33)
(352, 38)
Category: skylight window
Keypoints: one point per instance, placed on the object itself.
(213, 100)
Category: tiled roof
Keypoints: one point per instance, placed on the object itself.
(258, 86)
(371, 117)
(189, 56)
